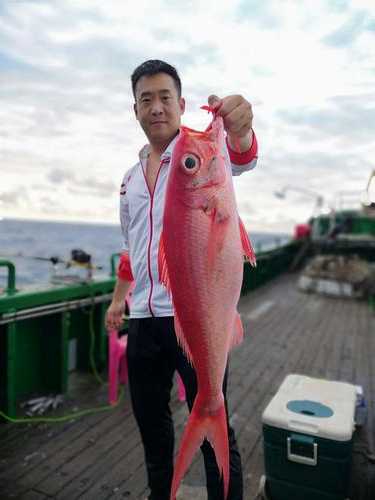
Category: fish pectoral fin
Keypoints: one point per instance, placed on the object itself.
(246, 244)
(181, 338)
(162, 266)
(220, 217)
(237, 337)
(215, 209)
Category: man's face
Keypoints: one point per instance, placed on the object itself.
(158, 107)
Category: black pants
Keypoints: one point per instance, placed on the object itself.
(153, 356)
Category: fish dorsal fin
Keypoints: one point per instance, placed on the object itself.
(181, 338)
(162, 266)
(246, 244)
(237, 337)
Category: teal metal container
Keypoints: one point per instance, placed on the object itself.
(308, 439)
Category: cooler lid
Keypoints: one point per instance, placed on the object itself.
(313, 406)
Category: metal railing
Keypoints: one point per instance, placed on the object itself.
(11, 279)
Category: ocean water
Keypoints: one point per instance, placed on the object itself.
(26, 243)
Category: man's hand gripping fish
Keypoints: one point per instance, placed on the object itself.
(201, 263)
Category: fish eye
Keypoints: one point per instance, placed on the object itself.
(190, 162)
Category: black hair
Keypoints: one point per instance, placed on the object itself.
(153, 67)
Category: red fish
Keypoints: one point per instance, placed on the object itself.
(201, 263)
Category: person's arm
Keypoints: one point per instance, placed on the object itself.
(246, 159)
(240, 144)
(115, 312)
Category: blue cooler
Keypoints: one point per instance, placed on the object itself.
(308, 435)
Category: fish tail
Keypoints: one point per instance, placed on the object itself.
(199, 426)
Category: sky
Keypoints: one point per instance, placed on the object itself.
(68, 132)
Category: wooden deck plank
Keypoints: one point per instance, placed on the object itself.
(101, 457)
(34, 495)
(54, 453)
(125, 465)
(51, 438)
(82, 393)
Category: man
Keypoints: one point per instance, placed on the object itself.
(153, 352)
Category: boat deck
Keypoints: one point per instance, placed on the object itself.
(100, 456)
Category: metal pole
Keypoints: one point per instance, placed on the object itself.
(11, 286)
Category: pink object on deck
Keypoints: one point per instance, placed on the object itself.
(180, 389)
(118, 368)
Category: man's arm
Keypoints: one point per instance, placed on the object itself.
(246, 160)
(115, 312)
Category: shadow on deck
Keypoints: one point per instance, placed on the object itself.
(100, 456)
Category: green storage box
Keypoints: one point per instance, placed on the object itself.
(308, 432)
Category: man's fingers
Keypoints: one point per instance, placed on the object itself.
(113, 322)
(237, 114)
(214, 101)
(234, 103)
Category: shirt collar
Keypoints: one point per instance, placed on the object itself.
(145, 151)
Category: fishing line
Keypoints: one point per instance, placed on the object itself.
(92, 346)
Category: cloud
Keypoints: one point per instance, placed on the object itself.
(350, 118)
(245, 207)
(66, 120)
(349, 31)
(258, 13)
(339, 5)
(58, 176)
(11, 197)
(96, 187)
(15, 198)
(311, 168)
(78, 184)
(11, 64)
(51, 206)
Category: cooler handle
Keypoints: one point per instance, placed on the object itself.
(302, 459)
